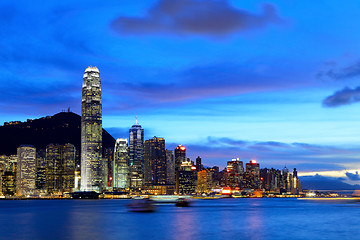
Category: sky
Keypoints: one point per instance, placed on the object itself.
(277, 81)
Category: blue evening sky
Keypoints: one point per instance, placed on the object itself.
(278, 81)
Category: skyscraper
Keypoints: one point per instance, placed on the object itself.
(26, 170)
(155, 156)
(234, 173)
(121, 178)
(170, 167)
(136, 153)
(60, 168)
(180, 158)
(92, 176)
(252, 175)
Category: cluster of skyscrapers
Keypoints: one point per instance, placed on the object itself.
(134, 165)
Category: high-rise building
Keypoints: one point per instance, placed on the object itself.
(155, 155)
(234, 173)
(136, 154)
(8, 180)
(68, 167)
(26, 170)
(170, 167)
(109, 168)
(60, 168)
(198, 164)
(53, 168)
(180, 158)
(121, 178)
(252, 175)
(187, 179)
(40, 169)
(92, 169)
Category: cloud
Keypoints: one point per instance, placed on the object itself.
(318, 182)
(340, 73)
(195, 17)
(342, 97)
(305, 157)
(353, 176)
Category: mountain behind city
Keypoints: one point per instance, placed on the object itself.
(61, 128)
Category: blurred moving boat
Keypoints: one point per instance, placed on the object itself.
(182, 202)
(141, 205)
(165, 198)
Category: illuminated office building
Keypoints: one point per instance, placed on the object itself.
(187, 177)
(68, 167)
(136, 154)
(155, 158)
(180, 158)
(234, 173)
(92, 169)
(170, 167)
(121, 178)
(60, 168)
(252, 175)
(8, 183)
(26, 170)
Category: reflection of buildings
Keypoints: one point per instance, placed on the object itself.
(92, 176)
(121, 164)
(26, 170)
(136, 154)
(155, 160)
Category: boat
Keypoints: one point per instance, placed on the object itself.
(141, 205)
(165, 198)
(182, 202)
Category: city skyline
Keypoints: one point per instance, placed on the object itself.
(281, 89)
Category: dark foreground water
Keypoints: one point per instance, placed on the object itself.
(207, 219)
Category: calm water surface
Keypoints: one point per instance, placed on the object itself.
(207, 219)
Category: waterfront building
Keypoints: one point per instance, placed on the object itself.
(170, 167)
(26, 170)
(234, 173)
(92, 175)
(187, 179)
(8, 183)
(68, 167)
(205, 181)
(60, 168)
(40, 169)
(155, 158)
(121, 178)
(198, 164)
(109, 167)
(136, 154)
(252, 175)
(180, 158)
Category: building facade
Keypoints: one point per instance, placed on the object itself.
(170, 167)
(121, 178)
(92, 169)
(26, 170)
(136, 154)
(155, 157)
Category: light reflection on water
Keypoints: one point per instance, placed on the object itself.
(207, 219)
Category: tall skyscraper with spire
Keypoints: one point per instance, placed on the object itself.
(136, 153)
(92, 176)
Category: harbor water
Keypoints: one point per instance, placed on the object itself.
(242, 218)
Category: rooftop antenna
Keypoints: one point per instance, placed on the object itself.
(136, 122)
